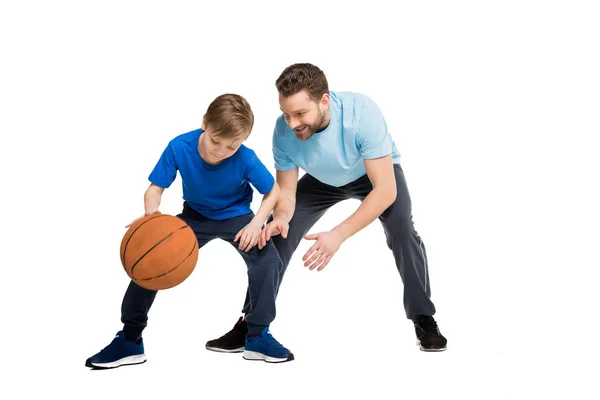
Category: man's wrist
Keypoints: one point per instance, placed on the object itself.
(281, 217)
(341, 231)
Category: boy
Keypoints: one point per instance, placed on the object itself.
(216, 171)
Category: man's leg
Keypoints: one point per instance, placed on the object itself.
(410, 257)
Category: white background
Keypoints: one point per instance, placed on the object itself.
(493, 106)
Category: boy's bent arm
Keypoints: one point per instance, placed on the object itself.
(152, 198)
(267, 204)
(286, 203)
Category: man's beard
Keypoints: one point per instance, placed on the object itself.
(316, 126)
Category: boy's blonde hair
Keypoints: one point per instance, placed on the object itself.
(229, 116)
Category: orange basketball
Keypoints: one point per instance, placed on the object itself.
(159, 251)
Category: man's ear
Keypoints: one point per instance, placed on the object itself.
(325, 100)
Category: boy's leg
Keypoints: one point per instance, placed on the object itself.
(127, 348)
(263, 268)
(138, 300)
(263, 278)
(313, 199)
(134, 310)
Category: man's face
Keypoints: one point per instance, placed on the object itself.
(304, 115)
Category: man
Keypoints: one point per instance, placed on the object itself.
(341, 140)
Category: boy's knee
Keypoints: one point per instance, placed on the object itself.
(267, 256)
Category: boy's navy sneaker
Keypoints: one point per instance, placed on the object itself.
(121, 351)
(429, 337)
(264, 347)
(231, 342)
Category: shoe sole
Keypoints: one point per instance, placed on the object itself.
(125, 361)
(431, 350)
(221, 350)
(256, 356)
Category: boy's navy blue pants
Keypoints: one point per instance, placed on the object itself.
(263, 275)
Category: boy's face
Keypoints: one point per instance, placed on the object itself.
(304, 115)
(214, 149)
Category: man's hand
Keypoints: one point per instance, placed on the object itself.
(326, 245)
(248, 236)
(273, 228)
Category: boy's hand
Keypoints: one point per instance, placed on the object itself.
(273, 228)
(145, 215)
(248, 236)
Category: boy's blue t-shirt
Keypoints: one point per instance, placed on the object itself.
(219, 191)
(357, 131)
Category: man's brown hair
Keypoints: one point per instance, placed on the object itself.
(229, 116)
(302, 76)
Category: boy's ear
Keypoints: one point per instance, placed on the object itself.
(204, 122)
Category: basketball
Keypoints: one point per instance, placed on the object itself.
(159, 251)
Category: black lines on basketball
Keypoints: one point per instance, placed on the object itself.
(134, 229)
(190, 254)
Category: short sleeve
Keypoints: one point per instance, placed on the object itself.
(165, 171)
(259, 176)
(282, 161)
(373, 138)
